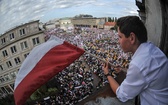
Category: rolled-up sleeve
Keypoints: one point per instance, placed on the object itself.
(133, 84)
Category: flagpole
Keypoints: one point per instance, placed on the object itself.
(105, 61)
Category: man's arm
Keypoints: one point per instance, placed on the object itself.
(113, 83)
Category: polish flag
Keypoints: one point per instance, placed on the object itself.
(43, 63)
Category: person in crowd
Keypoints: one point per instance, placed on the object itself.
(148, 69)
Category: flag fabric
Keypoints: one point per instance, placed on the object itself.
(43, 63)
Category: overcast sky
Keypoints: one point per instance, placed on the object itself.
(16, 12)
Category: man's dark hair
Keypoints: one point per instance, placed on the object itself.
(133, 24)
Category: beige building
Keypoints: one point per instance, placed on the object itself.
(88, 22)
(15, 45)
(51, 24)
(66, 24)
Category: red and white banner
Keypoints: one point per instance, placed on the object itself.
(43, 63)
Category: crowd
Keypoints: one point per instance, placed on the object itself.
(76, 82)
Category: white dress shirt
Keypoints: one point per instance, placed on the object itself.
(147, 76)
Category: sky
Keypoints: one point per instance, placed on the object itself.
(16, 12)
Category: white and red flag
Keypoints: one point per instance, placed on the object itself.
(43, 63)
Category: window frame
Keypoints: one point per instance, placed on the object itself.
(12, 36)
(13, 49)
(17, 60)
(36, 41)
(5, 53)
(9, 64)
(24, 45)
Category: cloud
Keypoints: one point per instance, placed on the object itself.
(16, 12)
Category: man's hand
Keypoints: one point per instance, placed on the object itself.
(106, 68)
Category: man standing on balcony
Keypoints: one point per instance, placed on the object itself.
(148, 69)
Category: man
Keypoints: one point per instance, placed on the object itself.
(148, 69)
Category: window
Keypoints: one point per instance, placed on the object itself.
(1, 68)
(3, 40)
(13, 49)
(25, 55)
(12, 85)
(4, 90)
(5, 53)
(9, 64)
(7, 77)
(35, 41)
(17, 60)
(24, 45)
(11, 36)
(13, 74)
(2, 79)
(22, 31)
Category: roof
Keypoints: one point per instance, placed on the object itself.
(110, 23)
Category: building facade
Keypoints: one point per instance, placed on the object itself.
(81, 21)
(15, 45)
(88, 22)
(66, 24)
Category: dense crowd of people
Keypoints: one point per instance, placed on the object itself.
(76, 82)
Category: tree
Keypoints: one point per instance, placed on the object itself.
(115, 19)
(109, 19)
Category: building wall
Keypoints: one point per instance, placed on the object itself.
(66, 23)
(70, 23)
(15, 45)
(155, 16)
(154, 20)
(87, 22)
